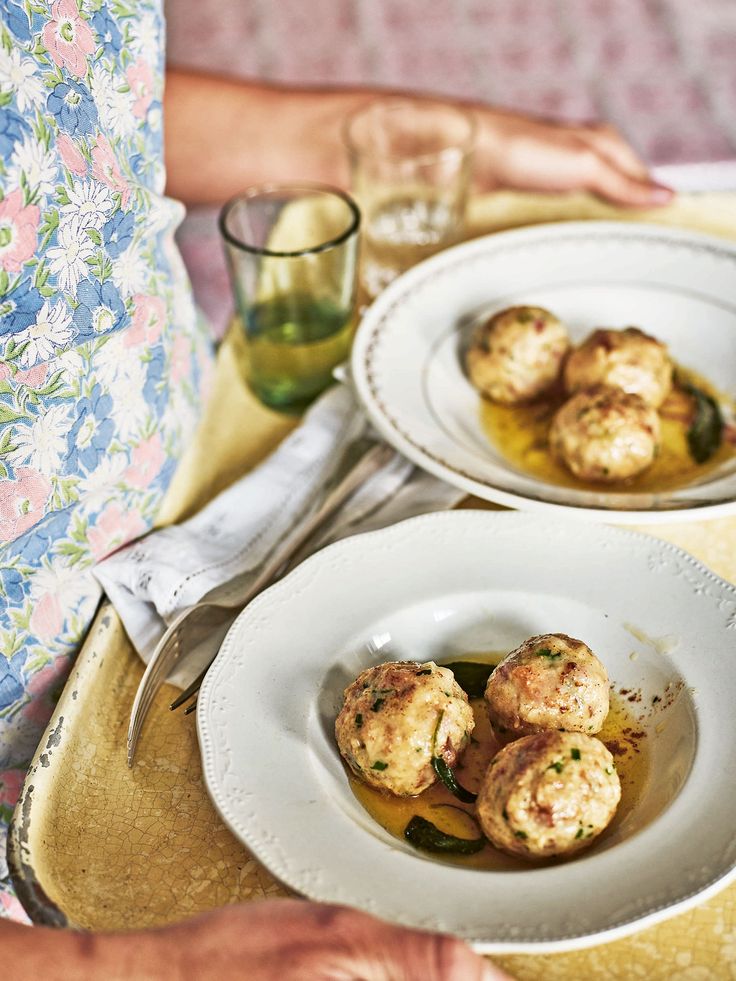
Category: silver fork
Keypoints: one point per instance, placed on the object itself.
(219, 608)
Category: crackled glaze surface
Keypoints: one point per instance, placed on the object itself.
(147, 847)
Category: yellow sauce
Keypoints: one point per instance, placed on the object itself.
(520, 434)
(621, 732)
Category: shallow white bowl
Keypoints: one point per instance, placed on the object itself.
(406, 362)
(437, 587)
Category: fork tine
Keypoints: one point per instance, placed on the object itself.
(164, 657)
(163, 660)
(168, 651)
(190, 690)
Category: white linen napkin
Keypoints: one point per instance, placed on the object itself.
(152, 580)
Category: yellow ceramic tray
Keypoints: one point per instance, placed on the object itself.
(98, 846)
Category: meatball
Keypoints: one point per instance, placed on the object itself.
(604, 434)
(627, 359)
(548, 794)
(550, 682)
(396, 717)
(517, 355)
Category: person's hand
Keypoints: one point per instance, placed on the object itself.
(294, 940)
(521, 152)
(209, 160)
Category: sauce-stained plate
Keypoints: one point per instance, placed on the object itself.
(678, 286)
(437, 587)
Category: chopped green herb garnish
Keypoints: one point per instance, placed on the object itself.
(558, 766)
(447, 777)
(579, 833)
(377, 704)
(422, 834)
(472, 676)
(546, 652)
(379, 765)
(440, 717)
(520, 834)
(575, 753)
(358, 720)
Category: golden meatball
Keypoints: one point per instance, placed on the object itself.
(517, 355)
(627, 359)
(396, 717)
(548, 794)
(604, 434)
(550, 682)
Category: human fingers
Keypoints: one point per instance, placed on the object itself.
(294, 939)
(531, 154)
(380, 951)
(418, 956)
(606, 179)
(608, 142)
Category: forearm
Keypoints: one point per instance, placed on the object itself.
(222, 135)
(288, 939)
(67, 955)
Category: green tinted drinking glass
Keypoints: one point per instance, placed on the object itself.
(293, 254)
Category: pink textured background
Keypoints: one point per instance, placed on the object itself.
(664, 71)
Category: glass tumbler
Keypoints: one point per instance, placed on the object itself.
(410, 171)
(292, 252)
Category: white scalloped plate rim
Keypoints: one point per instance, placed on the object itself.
(290, 862)
(411, 424)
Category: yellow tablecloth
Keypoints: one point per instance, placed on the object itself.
(153, 848)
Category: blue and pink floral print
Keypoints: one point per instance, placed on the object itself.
(101, 356)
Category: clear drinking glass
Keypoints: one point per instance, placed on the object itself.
(293, 252)
(410, 169)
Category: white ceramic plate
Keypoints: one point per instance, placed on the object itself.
(439, 586)
(678, 286)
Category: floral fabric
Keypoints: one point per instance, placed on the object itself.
(101, 355)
